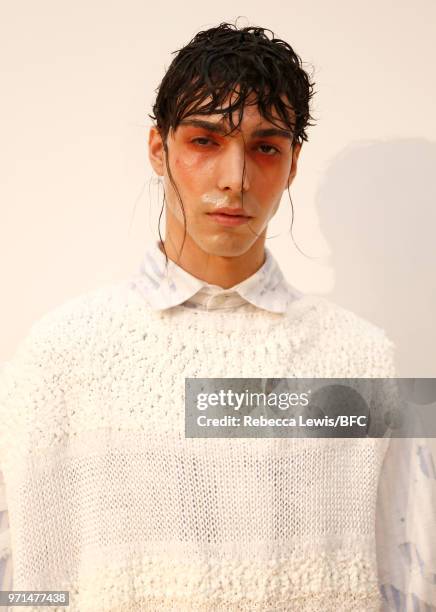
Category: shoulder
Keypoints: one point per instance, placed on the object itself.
(88, 307)
(59, 349)
(335, 317)
(67, 329)
(326, 315)
(63, 347)
(342, 335)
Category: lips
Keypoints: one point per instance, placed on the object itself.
(231, 212)
(229, 220)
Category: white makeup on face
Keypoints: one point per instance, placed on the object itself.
(209, 198)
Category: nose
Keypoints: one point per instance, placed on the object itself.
(231, 173)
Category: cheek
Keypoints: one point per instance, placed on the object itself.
(191, 171)
(271, 181)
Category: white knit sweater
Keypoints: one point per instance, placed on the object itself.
(110, 501)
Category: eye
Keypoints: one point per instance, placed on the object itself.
(202, 141)
(269, 150)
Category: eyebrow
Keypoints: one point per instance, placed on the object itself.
(218, 128)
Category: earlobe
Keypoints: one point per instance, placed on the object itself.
(156, 151)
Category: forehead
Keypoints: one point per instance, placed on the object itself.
(251, 115)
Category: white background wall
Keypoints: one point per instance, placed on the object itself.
(77, 202)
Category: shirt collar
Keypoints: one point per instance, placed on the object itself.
(165, 288)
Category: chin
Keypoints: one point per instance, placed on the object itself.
(225, 245)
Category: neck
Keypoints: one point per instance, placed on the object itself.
(224, 271)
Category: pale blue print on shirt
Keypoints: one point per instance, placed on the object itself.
(426, 462)
(158, 272)
(266, 288)
(424, 472)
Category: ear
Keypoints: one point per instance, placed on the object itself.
(156, 151)
(296, 148)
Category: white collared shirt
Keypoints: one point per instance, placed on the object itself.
(165, 287)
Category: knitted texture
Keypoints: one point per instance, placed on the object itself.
(107, 498)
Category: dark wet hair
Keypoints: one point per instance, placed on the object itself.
(229, 61)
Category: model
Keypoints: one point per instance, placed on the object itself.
(108, 498)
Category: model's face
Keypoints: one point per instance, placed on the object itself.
(207, 168)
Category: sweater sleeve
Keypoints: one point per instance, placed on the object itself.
(23, 379)
(31, 380)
